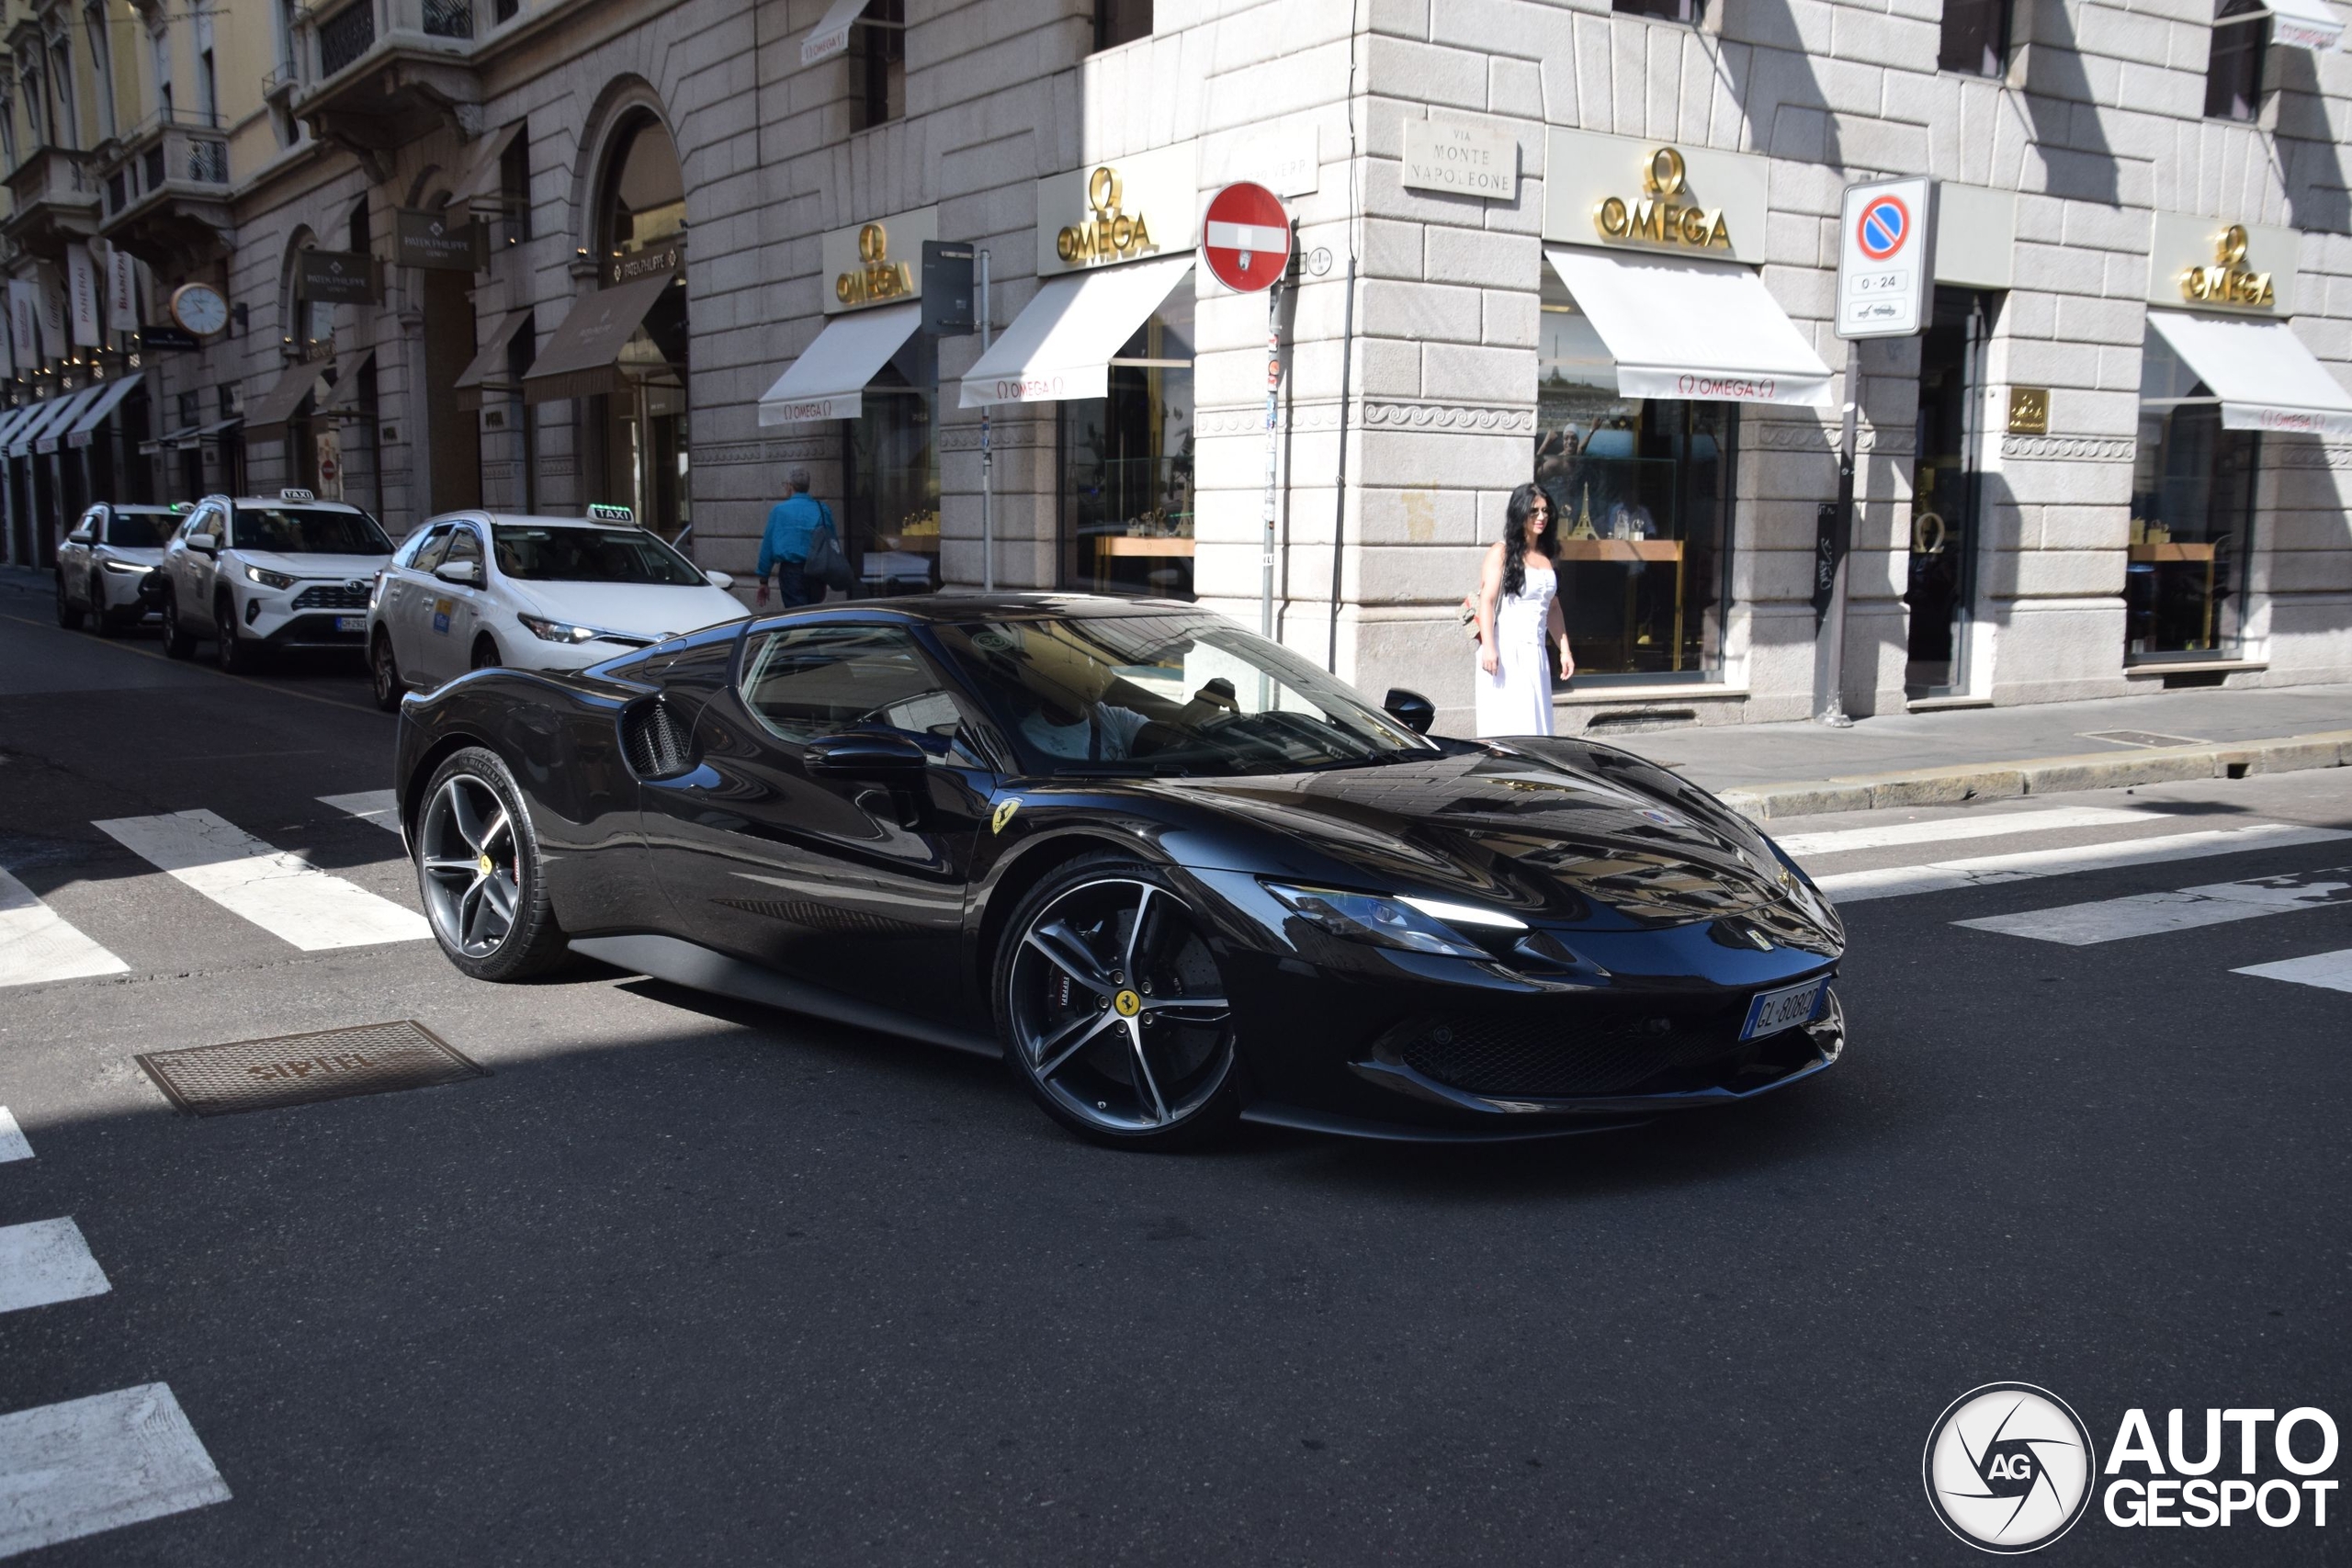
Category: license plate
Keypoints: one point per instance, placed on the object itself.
(351, 622)
(1772, 1011)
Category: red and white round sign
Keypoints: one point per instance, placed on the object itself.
(1247, 237)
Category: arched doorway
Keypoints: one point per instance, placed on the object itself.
(639, 432)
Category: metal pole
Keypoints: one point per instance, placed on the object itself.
(988, 458)
(1274, 385)
(1833, 703)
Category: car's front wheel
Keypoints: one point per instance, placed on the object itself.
(236, 656)
(384, 670)
(109, 621)
(479, 868)
(178, 641)
(1114, 1010)
(67, 616)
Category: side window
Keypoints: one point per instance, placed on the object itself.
(435, 548)
(89, 530)
(807, 681)
(464, 544)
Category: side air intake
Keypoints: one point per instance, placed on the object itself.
(658, 743)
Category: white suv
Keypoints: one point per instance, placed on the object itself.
(105, 561)
(254, 574)
(478, 588)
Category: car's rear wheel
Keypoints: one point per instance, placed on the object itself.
(67, 616)
(236, 656)
(1114, 1010)
(479, 867)
(179, 643)
(385, 670)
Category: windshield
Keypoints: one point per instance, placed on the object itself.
(1181, 693)
(141, 530)
(301, 531)
(590, 554)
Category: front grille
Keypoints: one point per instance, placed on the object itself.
(657, 741)
(1622, 1051)
(332, 596)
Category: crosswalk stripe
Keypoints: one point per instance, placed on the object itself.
(36, 943)
(283, 894)
(2329, 971)
(1999, 825)
(382, 807)
(46, 1261)
(2184, 909)
(87, 1465)
(1853, 887)
(12, 1139)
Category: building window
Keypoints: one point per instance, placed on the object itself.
(521, 350)
(1658, 10)
(36, 102)
(1940, 591)
(1121, 21)
(890, 475)
(515, 186)
(1976, 37)
(60, 54)
(102, 62)
(1126, 466)
(2192, 516)
(877, 52)
(9, 131)
(162, 39)
(2233, 71)
(1642, 488)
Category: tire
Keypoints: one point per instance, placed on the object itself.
(384, 671)
(485, 655)
(472, 808)
(236, 656)
(67, 616)
(178, 643)
(1150, 1063)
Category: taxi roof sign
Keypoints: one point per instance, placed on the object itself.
(607, 512)
(295, 493)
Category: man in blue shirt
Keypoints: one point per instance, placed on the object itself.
(794, 524)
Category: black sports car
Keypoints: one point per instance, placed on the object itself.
(1175, 875)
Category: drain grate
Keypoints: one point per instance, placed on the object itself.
(2147, 737)
(297, 1069)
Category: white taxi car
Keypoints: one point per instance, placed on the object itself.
(478, 588)
(102, 562)
(254, 574)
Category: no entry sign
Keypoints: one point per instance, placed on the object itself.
(1247, 237)
(1886, 259)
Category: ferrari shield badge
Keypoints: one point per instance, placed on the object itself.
(1004, 810)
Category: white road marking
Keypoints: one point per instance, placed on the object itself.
(36, 943)
(2146, 914)
(382, 807)
(2329, 971)
(1853, 887)
(1895, 835)
(283, 894)
(46, 1261)
(94, 1464)
(12, 1139)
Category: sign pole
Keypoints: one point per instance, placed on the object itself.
(988, 458)
(1273, 386)
(1841, 539)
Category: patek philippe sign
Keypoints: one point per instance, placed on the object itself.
(878, 263)
(2212, 264)
(433, 240)
(1117, 210)
(1623, 193)
(665, 260)
(1458, 159)
(335, 278)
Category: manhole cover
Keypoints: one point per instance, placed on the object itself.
(295, 1070)
(2140, 738)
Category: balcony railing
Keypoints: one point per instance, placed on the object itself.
(277, 79)
(345, 35)
(449, 18)
(52, 174)
(160, 151)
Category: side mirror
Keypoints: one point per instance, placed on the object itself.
(866, 754)
(204, 544)
(720, 579)
(78, 536)
(1412, 709)
(465, 573)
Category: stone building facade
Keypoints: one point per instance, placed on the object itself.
(626, 250)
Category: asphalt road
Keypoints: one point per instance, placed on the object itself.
(690, 1281)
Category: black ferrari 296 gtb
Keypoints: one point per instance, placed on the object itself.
(1174, 874)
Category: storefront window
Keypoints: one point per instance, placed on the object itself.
(2192, 516)
(1642, 488)
(642, 429)
(1944, 495)
(892, 476)
(1126, 466)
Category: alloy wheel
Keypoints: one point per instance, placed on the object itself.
(472, 863)
(1118, 1008)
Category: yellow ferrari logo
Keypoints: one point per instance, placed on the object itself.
(1004, 811)
(1126, 1004)
(485, 865)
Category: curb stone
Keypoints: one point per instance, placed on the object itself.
(1953, 784)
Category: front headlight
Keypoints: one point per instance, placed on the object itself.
(1413, 924)
(128, 568)
(558, 631)
(268, 579)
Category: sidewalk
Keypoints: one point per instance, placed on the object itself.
(1925, 759)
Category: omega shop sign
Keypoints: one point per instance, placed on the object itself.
(2212, 264)
(1621, 193)
(1144, 204)
(879, 263)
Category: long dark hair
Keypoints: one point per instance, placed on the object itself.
(1523, 501)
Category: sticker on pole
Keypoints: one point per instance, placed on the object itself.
(1246, 238)
(1885, 262)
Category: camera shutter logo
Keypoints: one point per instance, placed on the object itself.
(2009, 1467)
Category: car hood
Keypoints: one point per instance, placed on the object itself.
(1554, 829)
(338, 569)
(655, 610)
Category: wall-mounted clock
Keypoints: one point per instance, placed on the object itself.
(199, 308)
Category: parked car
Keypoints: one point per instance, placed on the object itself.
(478, 588)
(105, 559)
(254, 573)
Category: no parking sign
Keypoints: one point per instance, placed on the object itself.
(1886, 258)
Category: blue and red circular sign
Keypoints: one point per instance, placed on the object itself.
(1885, 225)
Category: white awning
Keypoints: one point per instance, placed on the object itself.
(62, 411)
(827, 381)
(16, 418)
(2263, 375)
(1061, 344)
(832, 36)
(2305, 24)
(1703, 329)
(100, 406)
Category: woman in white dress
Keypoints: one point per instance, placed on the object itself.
(1518, 605)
